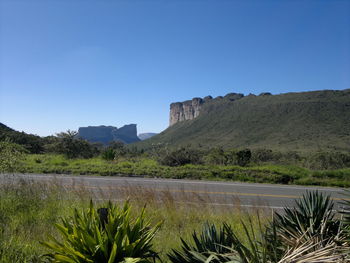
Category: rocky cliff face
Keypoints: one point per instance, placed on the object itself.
(190, 109)
(187, 110)
(106, 134)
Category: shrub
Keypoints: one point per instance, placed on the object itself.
(73, 147)
(262, 155)
(216, 156)
(104, 235)
(11, 156)
(243, 157)
(328, 160)
(181, 156)
(108, 154)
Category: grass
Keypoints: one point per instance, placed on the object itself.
(28, 211)
(281, 174)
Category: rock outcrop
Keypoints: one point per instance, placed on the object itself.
(187, 110)
(106, 134)
(190, 109)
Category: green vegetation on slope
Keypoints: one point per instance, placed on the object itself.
(308, 121)
(32, 143)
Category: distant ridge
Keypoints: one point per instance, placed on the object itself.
(105, 134)
(304, 121)
(147, 135)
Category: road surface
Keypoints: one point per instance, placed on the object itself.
(216, 193)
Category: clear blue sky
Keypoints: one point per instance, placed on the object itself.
(66, 63)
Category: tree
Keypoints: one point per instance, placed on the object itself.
(72, 146)
(243, 157)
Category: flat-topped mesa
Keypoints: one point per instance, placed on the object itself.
(107, 134)
(190, 109)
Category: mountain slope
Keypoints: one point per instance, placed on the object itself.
(32, 143)
(318, 120)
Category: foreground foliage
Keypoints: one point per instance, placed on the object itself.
(104, 235)
(211, 240)
(309, 232)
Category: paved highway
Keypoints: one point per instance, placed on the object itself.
(215, 193)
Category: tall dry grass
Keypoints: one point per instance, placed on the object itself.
(29, 209)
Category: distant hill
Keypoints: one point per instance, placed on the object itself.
(145, 136)
(32, 143)
(306, 121)
(105, 134)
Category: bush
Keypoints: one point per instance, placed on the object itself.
(328, 160)
(262, 155)
(11, 156)
(181, 156)
(108, 154)
(216, 156)
(243, 157)
(73, 147)
(104, 235)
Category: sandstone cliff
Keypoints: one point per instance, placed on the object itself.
(190, 109)
(106, 134)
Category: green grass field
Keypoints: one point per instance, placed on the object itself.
(29, 210)
(281, 174)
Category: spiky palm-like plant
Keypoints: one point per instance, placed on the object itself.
(107, 235)
(210, 240)
(310, 233)
(226, 246)
(313, 215)
(304, 252)
(346, 215)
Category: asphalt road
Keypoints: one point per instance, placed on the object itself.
(191, 191)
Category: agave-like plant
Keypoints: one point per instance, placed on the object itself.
(311, 251)
(210, 240)
(311, 230)
(226, 246)
(346, 222)
(312, 216)
(310, 233)
(104, 235)
(346, 216)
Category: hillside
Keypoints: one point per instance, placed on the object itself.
(307, 121)
(33, 143)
